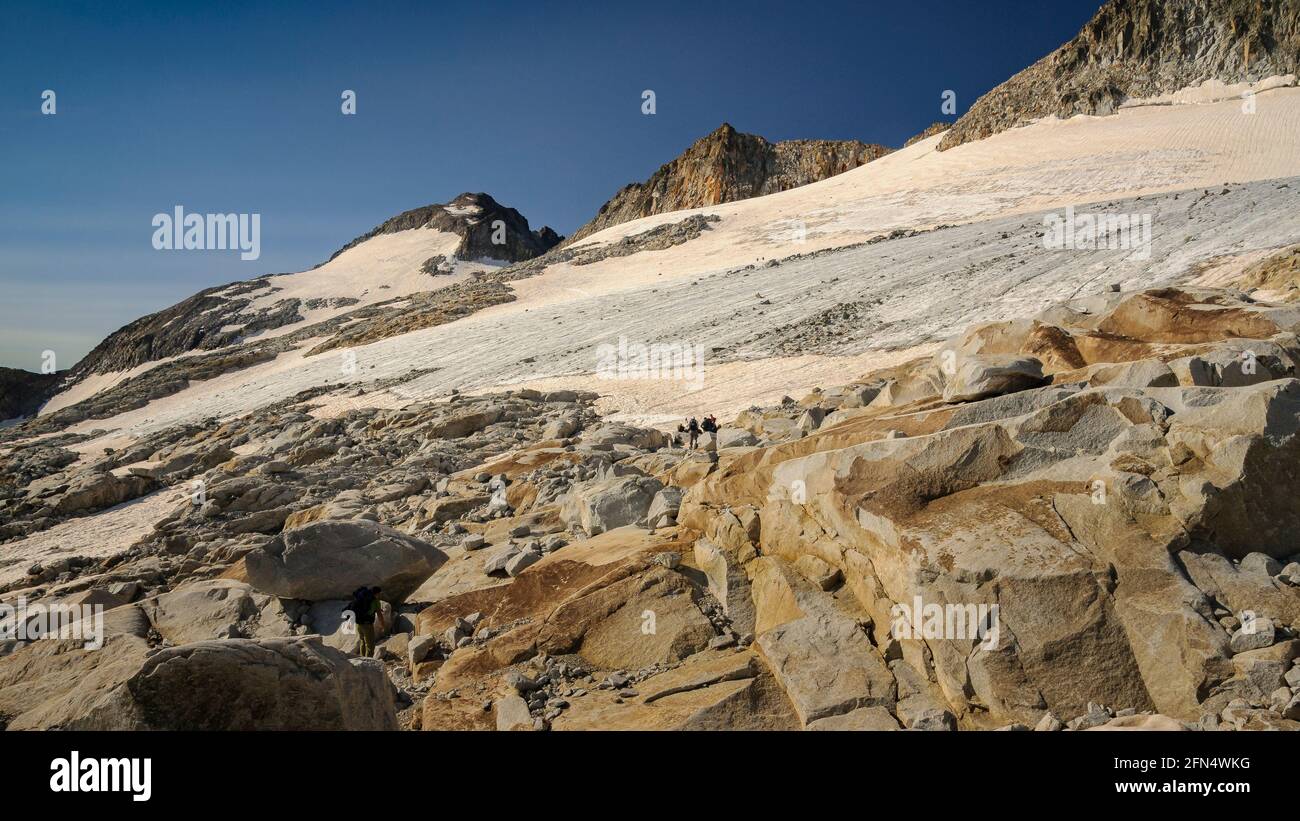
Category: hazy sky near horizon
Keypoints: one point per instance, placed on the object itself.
(235, 107)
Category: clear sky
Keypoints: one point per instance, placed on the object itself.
(233, 107)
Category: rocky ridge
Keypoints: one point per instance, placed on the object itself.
(1142, 49)
(726, 166)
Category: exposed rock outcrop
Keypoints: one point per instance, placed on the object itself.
(1118, 520)
(1142, 49)
(475, 218)
(727, 166)
(1275, 278)
(197, 323)
(930, 131)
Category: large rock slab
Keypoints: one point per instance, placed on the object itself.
(231, 684)
(1101, 522)
(603, 505)
(213, 609)
(647, 619)
(818, 653)
(712, 690)
(330, 559)
(728, 583)
(63, 685)
(610, 434)
(94, 491)
(979, 377)
(876, 719)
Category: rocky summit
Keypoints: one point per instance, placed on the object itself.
(475, 218)
(1006, 436)
(726, 166)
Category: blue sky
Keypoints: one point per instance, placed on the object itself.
(234, 107)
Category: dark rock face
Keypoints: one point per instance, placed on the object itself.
(1142, 48)
(472, 216)
(727, 166)
(22, 392)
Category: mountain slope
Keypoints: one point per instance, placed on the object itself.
(726, 166)
(514, 324)
(1138, 49)
(403, 255)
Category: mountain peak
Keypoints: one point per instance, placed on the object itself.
(482, 229)
(727, 165)
(476, 217)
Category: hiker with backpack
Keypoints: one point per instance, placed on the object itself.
(366, 608)
(693, 428)
(710, 424)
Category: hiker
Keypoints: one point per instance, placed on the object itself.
(693, 428)
(710, 424)
(366, 608)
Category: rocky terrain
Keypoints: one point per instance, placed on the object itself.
(1137, 49)
(349, 326)
(1275, 277)
(727, 166)
(1115, 474)
(1082, 459)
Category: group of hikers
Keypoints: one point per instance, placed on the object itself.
(693, 428)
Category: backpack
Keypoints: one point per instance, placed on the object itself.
(361, 602)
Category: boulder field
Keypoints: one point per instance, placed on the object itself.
(1079, 520)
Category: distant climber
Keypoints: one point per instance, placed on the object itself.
(710, 424)
(693, 429)
(366, 609)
